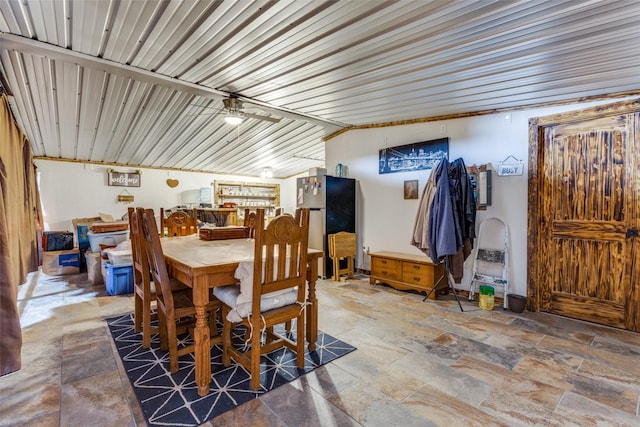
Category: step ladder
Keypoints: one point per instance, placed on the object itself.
(491, 261)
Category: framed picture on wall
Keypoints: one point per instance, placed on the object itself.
(411, 189)
(123, 179)
(412, 157)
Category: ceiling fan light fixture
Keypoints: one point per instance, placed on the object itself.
(233, 119)
(267, 172)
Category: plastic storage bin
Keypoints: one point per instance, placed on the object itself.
(120, 258)
(119, 280)
(112, 239)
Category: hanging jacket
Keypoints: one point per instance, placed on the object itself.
(465, 212)
(420, 238)
(443, 238)
(462, 193)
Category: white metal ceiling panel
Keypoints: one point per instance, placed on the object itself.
(141, 82)
(173, 28)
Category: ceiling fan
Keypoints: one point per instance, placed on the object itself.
(234, 112)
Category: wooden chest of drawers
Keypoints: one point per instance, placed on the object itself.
(406, 271)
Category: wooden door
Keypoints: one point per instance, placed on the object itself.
(587, 220)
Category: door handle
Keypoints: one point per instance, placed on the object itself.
(632, 232)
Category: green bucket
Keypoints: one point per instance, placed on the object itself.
(486, 297)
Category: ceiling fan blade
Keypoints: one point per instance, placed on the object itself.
(203, 106)
(265, 118)
(212, 113)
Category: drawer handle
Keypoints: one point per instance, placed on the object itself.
(417, 279)
(384, 272)
(384, 261)
(417, 267)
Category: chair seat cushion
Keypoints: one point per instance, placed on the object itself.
(229, 295)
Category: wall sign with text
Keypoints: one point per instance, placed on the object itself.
(124, 179)
(510, 167)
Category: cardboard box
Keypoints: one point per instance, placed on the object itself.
(103, 270)
(94, 268)
(55, 263)
(317, 171)
(119, 279)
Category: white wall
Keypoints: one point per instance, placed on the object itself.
(386, 220)
(76, 190)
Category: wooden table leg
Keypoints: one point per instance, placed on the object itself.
(201, 338)
(312, 308)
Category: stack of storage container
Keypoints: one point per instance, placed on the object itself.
(107, 251)
(119, 272)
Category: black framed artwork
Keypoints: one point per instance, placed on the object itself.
(412, 157)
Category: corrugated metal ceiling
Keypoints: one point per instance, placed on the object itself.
(136, 82)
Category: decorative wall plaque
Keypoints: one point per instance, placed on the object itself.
(510, 167)
(124, 179)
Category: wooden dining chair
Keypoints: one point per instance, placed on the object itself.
(175, 309)
(144, 287)
(250, 222)
(144, 295)
(178, 223)
(281, 253)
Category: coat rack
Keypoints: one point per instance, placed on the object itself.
(450, 282)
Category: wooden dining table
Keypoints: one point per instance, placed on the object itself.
(202, 264)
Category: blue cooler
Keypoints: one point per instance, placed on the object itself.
(119, 279)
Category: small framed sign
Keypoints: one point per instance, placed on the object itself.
(510, 170)
(509, 167)
(124, 179)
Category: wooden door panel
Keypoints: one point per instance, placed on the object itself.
(587, 211)
(584, 213)
(580, 229)
(589, 269)
(589, 176)
(593, 310)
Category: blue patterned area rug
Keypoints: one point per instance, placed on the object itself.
(173, 400)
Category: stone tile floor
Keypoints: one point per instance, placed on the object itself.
(417, 364)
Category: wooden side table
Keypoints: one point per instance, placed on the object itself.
(406, 271)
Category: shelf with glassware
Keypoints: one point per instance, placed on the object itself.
(243, 195)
